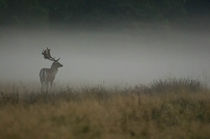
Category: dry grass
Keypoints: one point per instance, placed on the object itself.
(139, 112)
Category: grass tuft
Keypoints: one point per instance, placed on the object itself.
(165, 109)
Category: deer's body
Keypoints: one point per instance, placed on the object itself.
(47, 75)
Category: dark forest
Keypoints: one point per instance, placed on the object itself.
(48, 12)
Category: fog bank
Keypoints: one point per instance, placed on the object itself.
(105, 56)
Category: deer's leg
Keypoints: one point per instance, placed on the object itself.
(47, 86)
(51, 84)
(42, 87)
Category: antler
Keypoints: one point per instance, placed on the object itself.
(47, 55)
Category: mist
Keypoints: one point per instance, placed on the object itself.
(112, 57)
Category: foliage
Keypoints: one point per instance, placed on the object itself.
(68, 11)
(107, 113)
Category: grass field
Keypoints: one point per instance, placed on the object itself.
(164, 110)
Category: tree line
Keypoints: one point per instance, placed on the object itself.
(68, 11)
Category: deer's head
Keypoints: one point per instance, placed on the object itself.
(56, 64)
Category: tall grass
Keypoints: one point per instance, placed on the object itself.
(165, 109)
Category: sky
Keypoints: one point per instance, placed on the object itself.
(112, 57)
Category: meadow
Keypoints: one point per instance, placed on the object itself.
(165, 109)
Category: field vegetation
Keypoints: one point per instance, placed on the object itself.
(164, 109)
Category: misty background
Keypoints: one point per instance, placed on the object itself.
(113, 42)
(105, 56)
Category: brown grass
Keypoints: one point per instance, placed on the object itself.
(139, 112)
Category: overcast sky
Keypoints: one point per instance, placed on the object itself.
(112, 57)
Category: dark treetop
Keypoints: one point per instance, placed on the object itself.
(87, 11)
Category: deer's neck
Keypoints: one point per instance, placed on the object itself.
(54, 69)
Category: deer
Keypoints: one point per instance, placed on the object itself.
(47, 75)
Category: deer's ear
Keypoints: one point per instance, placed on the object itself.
(58, 59)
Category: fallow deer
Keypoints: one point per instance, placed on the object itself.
(47, 75)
